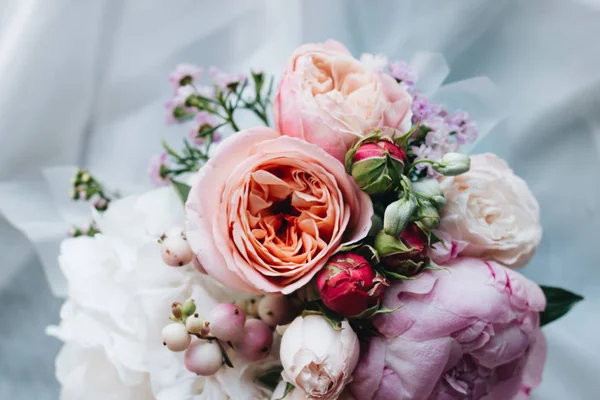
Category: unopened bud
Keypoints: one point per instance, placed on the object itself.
(377, 166)
(428, 215)
(189, 307)
(453, 164)
(397, 215)
(177, 310)
(430, 190)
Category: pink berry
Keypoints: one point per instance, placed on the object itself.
(277, 310)
(227, 322)
(256, 342)
(203, 358)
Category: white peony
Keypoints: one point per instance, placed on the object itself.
(490, 213)
(317, 359)
(120, 296)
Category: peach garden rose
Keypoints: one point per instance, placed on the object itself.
(267, 211)
(329, 98)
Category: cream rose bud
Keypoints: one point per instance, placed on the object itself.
(316, 358)
(490, 213)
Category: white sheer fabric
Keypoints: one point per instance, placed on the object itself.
(83, 82)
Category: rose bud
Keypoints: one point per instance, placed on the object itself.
(430, 189)
(203, 358)
(318, 359)
(404, 254)
(227, 322)
(349, 285)
(453, 164)
(377, 166)
(398, 214)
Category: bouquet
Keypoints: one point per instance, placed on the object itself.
(343, 249)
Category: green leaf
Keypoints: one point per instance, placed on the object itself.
(288, 388)
(181, 189)
(559, 302)
(270, 378)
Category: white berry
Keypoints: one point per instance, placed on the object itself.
(176, 337)
(203, 358)
(195, 323)
(176, 251)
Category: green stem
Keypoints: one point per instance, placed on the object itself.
(414, 164)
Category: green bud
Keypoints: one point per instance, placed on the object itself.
(453, 164)
(189, 308)
(430, 189)
(398, 214)
(428, 215)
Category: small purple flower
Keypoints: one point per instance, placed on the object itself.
(224, 79)
(403, 72)
(176, 108)
(203, 122)
(157, 170)
(184, 74)
(465, 128)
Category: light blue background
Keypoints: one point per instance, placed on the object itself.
(83, 82)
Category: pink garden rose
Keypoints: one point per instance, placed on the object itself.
(490, 213)
(267, 211)
(329, 98)
(468, 332)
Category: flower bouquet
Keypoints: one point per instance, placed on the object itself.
(344, 250)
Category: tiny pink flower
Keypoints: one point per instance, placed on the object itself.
(224, 79)
(203, 121)
(157, 165)
(184, 74)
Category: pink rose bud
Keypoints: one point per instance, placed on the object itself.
(203, 358)
(227, 322)
(349, 285)
(406, 253)
(377, 166)
(256, 342)
(277, 310)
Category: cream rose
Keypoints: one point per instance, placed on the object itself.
(329, 98)
(267, 211)
(490, 213)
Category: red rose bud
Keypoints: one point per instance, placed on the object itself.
(377, 166)
(414, 238)
(349, 285)
(405, 254)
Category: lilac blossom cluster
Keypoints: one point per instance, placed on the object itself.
(192, 101)
(441, 132)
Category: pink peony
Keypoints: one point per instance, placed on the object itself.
(329, 98)
(267, 211)
(468, 332)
